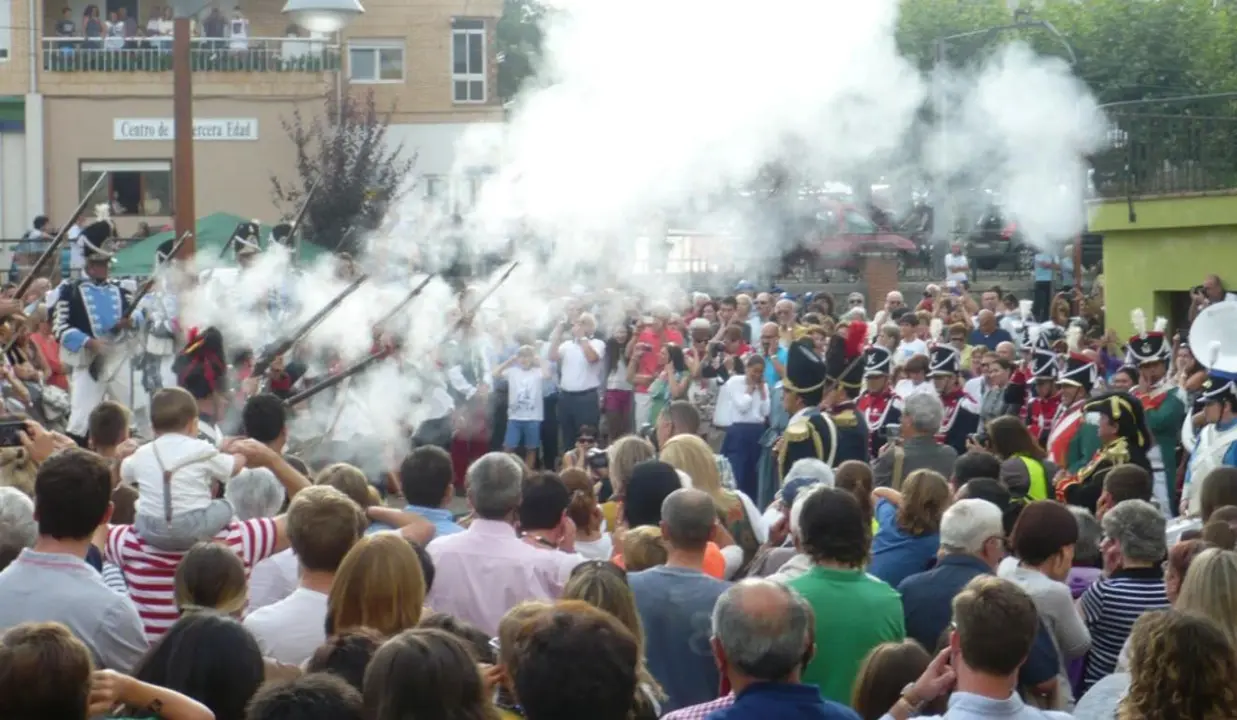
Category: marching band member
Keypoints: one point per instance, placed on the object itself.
(1124, 438)
(160, 309)
(961, 419)
(844, 370)
(1216, 444)
(809, 434)
(88, 312)
(1045, 400)
(1066, 443)
(200, 368)
(877, 403)
(1163, 406)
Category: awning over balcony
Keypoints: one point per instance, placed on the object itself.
(213, 231)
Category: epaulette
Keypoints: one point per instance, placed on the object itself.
(798, 431)
(846, 419)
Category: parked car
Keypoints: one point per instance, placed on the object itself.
(832, 236)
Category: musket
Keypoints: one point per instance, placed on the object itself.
(51, 250)
(300, 214)
(354, 369)
(263, 363)
(96, 365)
(404, 303)
(149, 284)
(369, 360)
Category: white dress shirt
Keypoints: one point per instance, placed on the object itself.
(736, 403)
(578, 374)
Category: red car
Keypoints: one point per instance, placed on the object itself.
(836, 237)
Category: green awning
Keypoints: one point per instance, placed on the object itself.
(213, 231)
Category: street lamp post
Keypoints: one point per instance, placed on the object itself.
(315, 15)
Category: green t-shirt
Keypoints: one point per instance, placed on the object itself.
(855, 612)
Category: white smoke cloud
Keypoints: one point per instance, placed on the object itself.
(654, 112)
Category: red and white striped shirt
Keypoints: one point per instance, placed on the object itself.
(151, 572)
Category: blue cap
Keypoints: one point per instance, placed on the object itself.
(744, 286)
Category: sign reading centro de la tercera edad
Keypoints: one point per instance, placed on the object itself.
(236, 129)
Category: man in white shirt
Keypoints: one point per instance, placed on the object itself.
(743, 410)
(957, 267)
(323, 525)
(579, 361)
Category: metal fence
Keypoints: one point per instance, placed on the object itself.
(1165, 154)
(206, 55)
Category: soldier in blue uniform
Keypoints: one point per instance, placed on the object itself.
(809, 434)
(88, 314)
(844, 369)
(961, 419)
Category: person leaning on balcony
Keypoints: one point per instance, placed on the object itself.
(1212, 291)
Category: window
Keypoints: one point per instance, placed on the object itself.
(6, 28)
(468, 61)
(141, 187)
(376, 61)
(433, 187)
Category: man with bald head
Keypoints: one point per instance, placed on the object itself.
(1007, 351)
(1212, 291)
(987, 332)
(763, 636)
(893, 303)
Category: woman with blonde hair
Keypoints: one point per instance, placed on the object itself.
(909, 526)
(739, 516)
(1182, 666)
(604, 586)
(379, 585)
(624, 454)
(1210, 589)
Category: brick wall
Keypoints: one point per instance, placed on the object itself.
(880, 274)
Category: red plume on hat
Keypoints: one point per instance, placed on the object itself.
(200, 368)
(856, 338)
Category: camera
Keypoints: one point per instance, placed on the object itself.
(598, 459)
(716, 349)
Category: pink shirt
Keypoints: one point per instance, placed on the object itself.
(483, 572)
(648, 361)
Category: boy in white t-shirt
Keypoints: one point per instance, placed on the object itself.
(524, 373)
(175, 475)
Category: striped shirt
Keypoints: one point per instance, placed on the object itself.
(1110, 607)
(150, 572)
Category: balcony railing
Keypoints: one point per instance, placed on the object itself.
(206, 55)
(1167, 154)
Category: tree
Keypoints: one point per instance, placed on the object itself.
(519, 35)
(358, 173)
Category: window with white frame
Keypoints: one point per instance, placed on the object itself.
(468, 79)
(376, 61)
(6, 28)
(140, 187)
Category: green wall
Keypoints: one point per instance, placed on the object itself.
(1172, 245)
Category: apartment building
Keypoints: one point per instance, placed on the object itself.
(72, 106)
